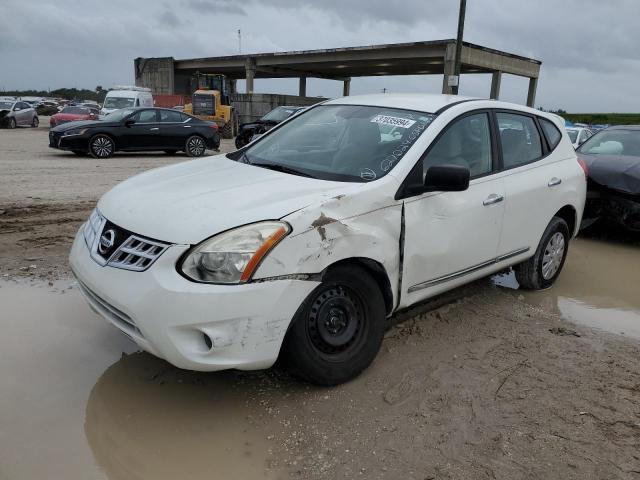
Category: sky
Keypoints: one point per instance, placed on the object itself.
(589, 48)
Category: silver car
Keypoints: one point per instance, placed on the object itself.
(17, 113)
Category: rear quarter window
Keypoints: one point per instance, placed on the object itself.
(551, 132)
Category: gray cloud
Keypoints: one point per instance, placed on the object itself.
(588, 50)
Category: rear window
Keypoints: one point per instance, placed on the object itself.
(551, 132)
(76, 110)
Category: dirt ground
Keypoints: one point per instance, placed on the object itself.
(484, 382)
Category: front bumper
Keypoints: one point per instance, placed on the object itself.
(622, 209)
(70, 142)
(176, 319)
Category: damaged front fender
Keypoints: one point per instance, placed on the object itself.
(325, 235)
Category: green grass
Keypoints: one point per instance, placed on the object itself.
(606, 118)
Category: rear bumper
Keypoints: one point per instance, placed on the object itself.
(191, 325)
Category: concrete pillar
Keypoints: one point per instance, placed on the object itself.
(233, 84)
(302, 90)
(496, 79)
(250, 71)
(531, 95)
(346, 86)
(449, 67)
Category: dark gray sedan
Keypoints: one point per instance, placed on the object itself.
(612, 157)
(17, 114)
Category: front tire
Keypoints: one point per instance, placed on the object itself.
(195, 146)
(337, 331)
(542, 270)
(12, 123)
(170, 152)
(80, 153)
(35, 122)
(101, 146)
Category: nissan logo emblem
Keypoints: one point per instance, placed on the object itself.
(106, 241)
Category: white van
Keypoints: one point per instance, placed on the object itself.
(125, 97)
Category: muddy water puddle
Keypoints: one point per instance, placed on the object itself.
(599, 286)
(78, 401)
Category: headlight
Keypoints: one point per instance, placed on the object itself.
(233, 256)
(77, 131)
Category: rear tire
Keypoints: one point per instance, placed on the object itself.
(101, 146)
(227, 130)
(35, 122)
(337, 331)
(542, 270)
(195, 146)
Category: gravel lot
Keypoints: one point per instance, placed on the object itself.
(485, 382)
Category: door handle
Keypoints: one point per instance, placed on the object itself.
(492, 199)
(187, 126)
(554, 181)
(154, 128)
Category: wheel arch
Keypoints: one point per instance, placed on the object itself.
(569, 214)
(377, 272)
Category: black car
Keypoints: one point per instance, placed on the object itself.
(137, 129)
(274, 117)
(612, 157)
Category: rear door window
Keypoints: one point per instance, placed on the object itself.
(170, 116)
(521, 142)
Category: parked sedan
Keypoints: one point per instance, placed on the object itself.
(137, 129)
(306, 241)
(72, 114)
(613, 159)
(17, 114)
(578, 135)
(247, 131)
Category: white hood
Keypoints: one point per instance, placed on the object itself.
(191, 201)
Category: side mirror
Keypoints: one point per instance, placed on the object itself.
(446, 178)
(128, 123)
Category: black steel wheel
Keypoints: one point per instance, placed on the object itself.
(101, 146)
(195, 146)
(337, 331)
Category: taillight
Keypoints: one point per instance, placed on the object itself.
(214, 126)
(584, 167)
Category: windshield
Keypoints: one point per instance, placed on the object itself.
(573, 135)
(278, 115)
(6, 105)
(613, 142)
(118, 102)
(341, 142)
(118, 115)
(76, 110)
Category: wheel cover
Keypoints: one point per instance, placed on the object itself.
(196, 146)
(336, 320)
(102, 147)
(553, 255)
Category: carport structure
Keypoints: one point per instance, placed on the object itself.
(168, 76)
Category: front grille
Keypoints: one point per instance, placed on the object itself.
(120, 319)
(114, 246)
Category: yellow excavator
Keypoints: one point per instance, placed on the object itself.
(211, 102)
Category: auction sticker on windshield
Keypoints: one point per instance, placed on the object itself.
(393, 121)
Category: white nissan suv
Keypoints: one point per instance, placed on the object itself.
(303, 242)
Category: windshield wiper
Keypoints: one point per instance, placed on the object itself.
(281, 168)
